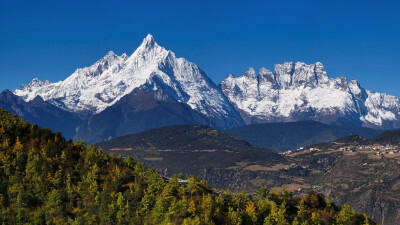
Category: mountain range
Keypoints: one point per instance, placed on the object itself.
(124, 94)
(296, 92)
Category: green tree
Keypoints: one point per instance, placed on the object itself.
(234, 216)
(346, 215)
(277, 215)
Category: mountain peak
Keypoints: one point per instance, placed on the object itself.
(149, 37)
(250, 73)
(230, 76)
(38, 83)
(110, 53)
(35, 80)
(37, 99)
(7, 91)
(148, 41)
(264, 71)
(355, 86)
(110, 56)
(354, 81)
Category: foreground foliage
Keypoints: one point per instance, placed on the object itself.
(45, 179)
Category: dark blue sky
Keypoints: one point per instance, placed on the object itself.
(50, 39)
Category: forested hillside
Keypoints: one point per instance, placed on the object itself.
(191, 149)
(45, 179)
(179, 137)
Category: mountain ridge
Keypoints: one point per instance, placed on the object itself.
(297, 91)
(292, 92)
(40, 112)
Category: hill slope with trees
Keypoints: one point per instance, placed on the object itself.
(191, 149)
(45, 179)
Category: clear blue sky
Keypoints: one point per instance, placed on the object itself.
(50, 39)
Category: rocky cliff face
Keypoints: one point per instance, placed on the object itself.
(296, 91)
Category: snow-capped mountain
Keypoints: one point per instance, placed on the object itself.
(293, 92)
(93, 89)
(296, 91)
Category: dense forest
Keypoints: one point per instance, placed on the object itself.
(45, 179)
(179, 137)
(187, 149)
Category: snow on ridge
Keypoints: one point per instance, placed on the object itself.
(298, 88)
(100, 85)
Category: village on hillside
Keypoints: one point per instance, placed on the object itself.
(371, 149)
